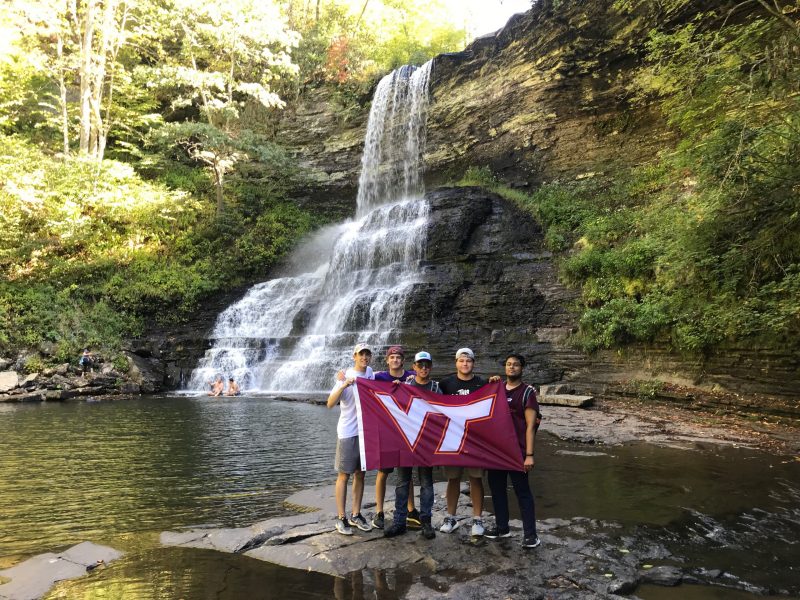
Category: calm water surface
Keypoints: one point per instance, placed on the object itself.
(121, 472)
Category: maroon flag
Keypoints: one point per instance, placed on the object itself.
(402, 425)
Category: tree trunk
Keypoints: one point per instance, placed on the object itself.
(218, 181)
(62, 86)
(85, 73)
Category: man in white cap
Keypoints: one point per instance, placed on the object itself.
(463, 383)
(348, 453)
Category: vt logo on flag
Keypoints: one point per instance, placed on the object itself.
(405, 426)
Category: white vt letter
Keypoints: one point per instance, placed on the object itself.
(458, 417)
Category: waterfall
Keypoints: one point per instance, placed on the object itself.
(348, 282)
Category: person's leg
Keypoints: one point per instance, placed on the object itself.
(453, 490)
(453, 476)
(497, 485)
(401, 495)
(527, 506)
(476, 495)
(341, 492)
(358, 491)
(425, 492)
(426, 501)
(411, 495)
(380, 489)
(398, 526)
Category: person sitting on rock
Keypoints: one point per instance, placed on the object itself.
(217, 387)
(233, 388)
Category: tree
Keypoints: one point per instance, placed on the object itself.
(227, 57)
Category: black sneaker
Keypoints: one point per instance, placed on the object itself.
(494, 533)
(412, 520)
(394, 529)
(378, 521)
(360, 522)
(427, 529)
(531, 542)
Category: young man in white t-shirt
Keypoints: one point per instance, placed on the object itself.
(348, 454)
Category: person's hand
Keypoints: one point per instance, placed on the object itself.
(340, 375)
(528, 463)
(349, 382)
(397, 382)
(494, 378)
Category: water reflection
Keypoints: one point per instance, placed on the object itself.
(121, 472)
(82, 470)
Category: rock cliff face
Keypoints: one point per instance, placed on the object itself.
(545, 98)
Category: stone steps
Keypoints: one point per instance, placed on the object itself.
(572, 400)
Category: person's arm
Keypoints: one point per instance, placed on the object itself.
(334, 396)
(530, 437)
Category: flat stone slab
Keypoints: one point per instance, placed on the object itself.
(566, 400)
(34, 577)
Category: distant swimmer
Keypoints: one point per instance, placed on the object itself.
(217, 387)
(233, 388)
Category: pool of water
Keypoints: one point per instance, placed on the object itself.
(119, 473)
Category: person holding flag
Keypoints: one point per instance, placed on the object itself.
(423, 363)
(348, 452)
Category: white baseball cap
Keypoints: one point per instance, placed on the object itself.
(422, 356)
(467, 351)
(361, 347)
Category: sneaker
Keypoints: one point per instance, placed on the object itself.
(378, 521)
(360, 522)
(343, 527)
(477, 527)
(531, 542)
(427, 529)
(394, 529)
(494, 533)
(450, 525)
(412, 520)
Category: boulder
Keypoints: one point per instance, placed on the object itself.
(147, 374)
(566, 400)
(8, 380)
(34, 577)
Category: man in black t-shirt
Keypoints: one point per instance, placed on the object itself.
(462, 383)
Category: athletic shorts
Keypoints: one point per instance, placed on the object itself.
(457, 472)
(388, 471)
(348, 455)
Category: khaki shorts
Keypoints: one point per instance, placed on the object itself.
(457, 472)
(348, 455)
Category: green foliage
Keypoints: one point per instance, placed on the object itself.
(88, 263)
(701, 248)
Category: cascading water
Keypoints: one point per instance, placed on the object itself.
(289, 335)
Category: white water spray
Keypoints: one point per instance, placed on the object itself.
(291, 334)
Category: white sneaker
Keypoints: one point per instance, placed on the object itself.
(477, 527)
(450, 525)
(343, 527)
